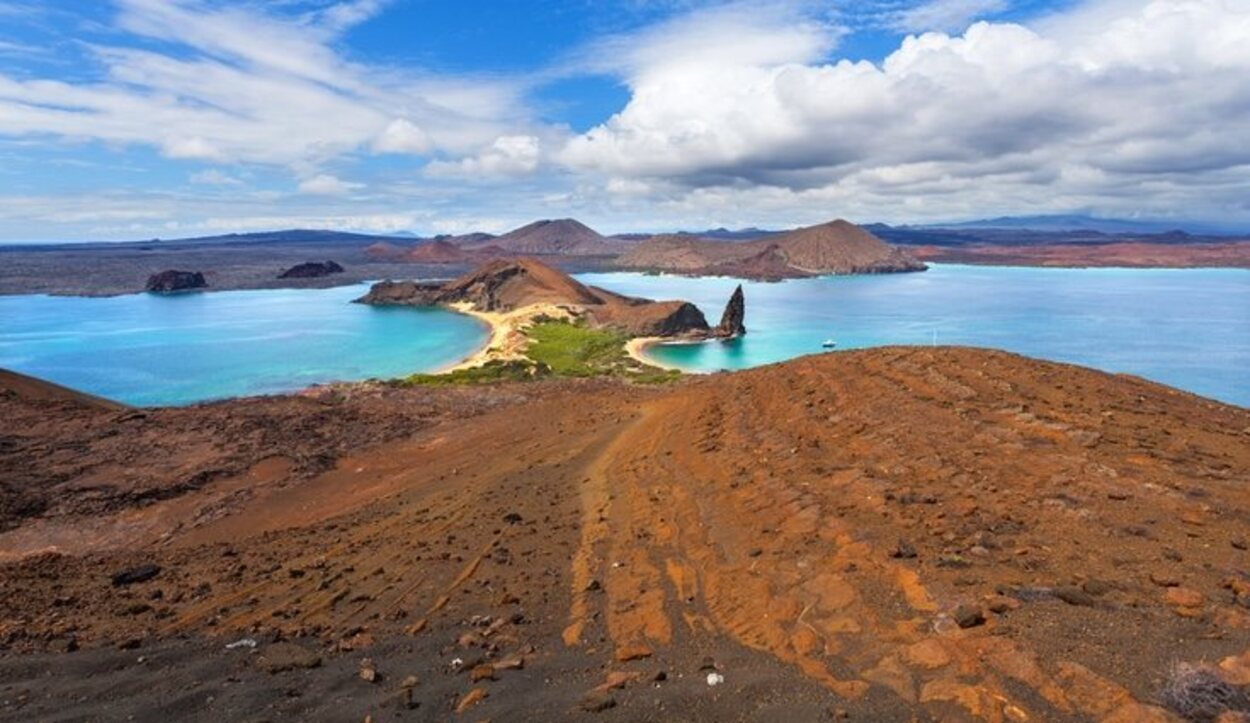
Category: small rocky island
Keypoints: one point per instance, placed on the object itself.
(172, 281)
(311, 270)
(504, 286)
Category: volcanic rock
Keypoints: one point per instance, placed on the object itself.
(731, 322)
(311, 270)
(171, 281)
(134, 575)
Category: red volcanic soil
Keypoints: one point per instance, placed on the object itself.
(888, 535)
(1234, 254)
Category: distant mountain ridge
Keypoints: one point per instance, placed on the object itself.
(836, 247)
(1081, 222)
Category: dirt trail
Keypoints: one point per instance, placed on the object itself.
(943, 534)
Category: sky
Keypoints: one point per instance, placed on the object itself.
(135, 119)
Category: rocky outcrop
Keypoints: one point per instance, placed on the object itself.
(172, 280)
(311, 270)
(507, 285)
(732, 321)
(402, 293)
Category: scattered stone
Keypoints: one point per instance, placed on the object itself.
(714, 679)
(593, 586)
(369, 671)
(1097, 588)
(242, 643)
(63, 645)
(632, 652)
(660, 676)
(1236, 668)
(968, 616)
(903, 550)
(470, 699)
(1163, 579)
(512, 518)
(1183, 597)
(485, 671)
(135, 575)
(709, 663)
(928, 653)
(1000, 604)
(512, 662)
(755, 552)
(617, 679)
(596, 702)
(1073, 595)
(281, 657)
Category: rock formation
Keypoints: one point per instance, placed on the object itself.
(506, 285)
(171, 280)
(731, 322)
(311, 270)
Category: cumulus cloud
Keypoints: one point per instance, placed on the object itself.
(239, 84)
(402, 136)
(323, 184)
(1155, 91)
(506, 156)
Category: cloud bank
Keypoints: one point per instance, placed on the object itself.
(737, 114)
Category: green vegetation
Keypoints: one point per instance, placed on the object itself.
(558, 349)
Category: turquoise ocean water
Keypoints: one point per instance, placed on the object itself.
(1186, 328)
(149, 350)
(1189, 328)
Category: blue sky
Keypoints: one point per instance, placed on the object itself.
(141, 118)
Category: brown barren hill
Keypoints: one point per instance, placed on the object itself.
(565, 236)
(889, 535)
(505, 285)
(837, 247)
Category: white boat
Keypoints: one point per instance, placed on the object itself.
(829, 343)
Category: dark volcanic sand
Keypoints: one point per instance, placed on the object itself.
(812, 528)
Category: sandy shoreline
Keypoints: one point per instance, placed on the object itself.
(637, 350)
(507, 341)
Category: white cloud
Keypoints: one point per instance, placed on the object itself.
(237, 84)
(323, 184)
(999, 116)
(402, 136)
(214, 177)
(506, 156)
(949, 15)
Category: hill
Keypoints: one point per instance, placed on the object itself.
(837, 247)
(509, 285)
(564, 236)
(883, 535)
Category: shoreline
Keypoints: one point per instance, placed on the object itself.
(506, 340)
(637, 347)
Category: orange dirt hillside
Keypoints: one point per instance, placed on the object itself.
(894, 534)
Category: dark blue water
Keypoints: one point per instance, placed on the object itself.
(1189, 328)
(155, 350)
